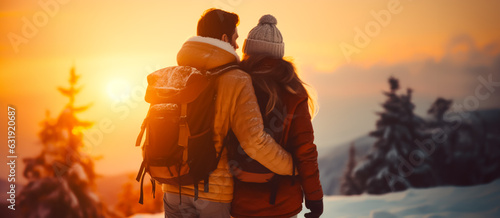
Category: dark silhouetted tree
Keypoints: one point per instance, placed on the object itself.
(451, 148)
(463, 154)
(348, 186)
(438, 109)
(393, 163)
(61, 177)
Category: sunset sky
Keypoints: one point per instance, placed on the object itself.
(438, 48)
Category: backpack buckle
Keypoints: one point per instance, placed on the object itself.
(182, 120)
(183, 115)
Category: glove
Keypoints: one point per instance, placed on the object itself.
(316, 208)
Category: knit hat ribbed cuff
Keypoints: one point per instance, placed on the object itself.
(253, 46)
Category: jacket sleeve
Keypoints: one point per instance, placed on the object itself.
(246, 123)
(301, 140)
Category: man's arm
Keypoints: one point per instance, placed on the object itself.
(246, 123)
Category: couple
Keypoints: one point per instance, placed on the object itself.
(246, 103)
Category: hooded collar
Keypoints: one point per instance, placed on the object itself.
(215, 42)
(206, 53)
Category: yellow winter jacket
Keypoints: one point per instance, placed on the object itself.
(236, 108)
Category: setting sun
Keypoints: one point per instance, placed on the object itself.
(118, 89)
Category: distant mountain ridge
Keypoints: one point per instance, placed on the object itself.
(333, 162)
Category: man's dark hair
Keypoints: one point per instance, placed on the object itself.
(215, 22)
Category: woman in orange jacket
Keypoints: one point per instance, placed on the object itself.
(283, 102)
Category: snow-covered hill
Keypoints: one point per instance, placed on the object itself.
(471, 201)
(456, 202)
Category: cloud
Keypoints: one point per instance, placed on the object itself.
(452, 76)
(350, 95)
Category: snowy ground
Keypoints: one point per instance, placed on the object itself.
(456, 202)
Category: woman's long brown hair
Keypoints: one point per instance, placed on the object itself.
(274, 75)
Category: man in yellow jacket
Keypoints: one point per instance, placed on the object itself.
(236, 109)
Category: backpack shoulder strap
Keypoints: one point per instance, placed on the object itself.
(217, 71)
(184, 132)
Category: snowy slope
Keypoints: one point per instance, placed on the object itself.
(456, 202)
(472, 201)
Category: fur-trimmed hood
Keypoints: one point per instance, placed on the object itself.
(206, 53)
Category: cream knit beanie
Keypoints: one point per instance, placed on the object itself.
(265, 38)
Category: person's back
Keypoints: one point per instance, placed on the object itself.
(236, 108)
(280, 94)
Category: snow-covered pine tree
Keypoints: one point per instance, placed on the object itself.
(395, 163)
(348, 186)
(463, 155)
(437, 110)
(443, 149)
(61, 177)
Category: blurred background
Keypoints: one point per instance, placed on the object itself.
(75, 72)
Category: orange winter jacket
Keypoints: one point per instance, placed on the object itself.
(236, 109)
(297, 136)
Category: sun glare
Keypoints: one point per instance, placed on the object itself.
(118, 89)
